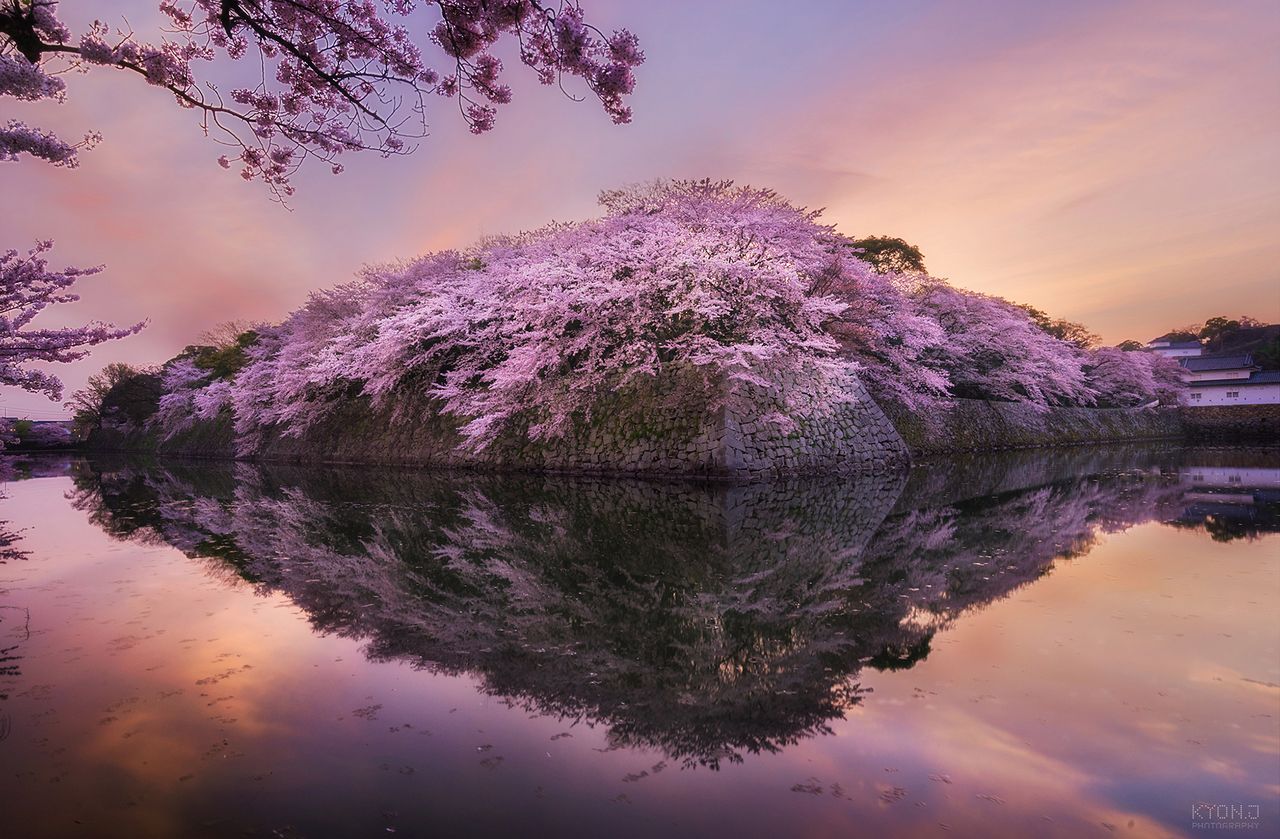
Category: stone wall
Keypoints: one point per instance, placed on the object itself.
(1233, 422)
(849, 437)
(213, 439)
(672, 427)
(667, 427)
(662, 428)
(961, 425)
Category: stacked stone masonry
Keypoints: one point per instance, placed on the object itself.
(665, 427)
(971, 425)
(1233, 422)
(670, 427)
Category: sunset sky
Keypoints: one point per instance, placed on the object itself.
(1113, 163)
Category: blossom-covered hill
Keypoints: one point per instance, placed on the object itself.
(733, 287)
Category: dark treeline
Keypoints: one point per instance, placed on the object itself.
(1232, 336)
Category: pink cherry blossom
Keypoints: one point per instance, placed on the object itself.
(1125, 378)
(27, 288)
(340, 76)
(730, 287)
(525, 332)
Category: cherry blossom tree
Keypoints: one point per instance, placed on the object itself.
(29, 434)
(527, 331)
(986, 347)
(920, 339)
(901, 350)
(994, 350)
(728, 287)
(329, 76)
(190, 395)
(27, 288)
(1123, 378)
(326, 76)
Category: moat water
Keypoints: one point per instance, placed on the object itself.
(1064, 643)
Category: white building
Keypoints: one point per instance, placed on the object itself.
(1175, 349)
(1228, 380)
(1206, 368)
(1231, 477)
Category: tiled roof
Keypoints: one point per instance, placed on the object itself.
(1167, 337)
(1202, 363)
(1262, 377)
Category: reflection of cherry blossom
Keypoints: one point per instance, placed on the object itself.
(709, 622)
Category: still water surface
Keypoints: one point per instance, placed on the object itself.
(1067, 643)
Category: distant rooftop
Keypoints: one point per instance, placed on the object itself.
(1177, 345)
(1203, 363)
(1261, 377)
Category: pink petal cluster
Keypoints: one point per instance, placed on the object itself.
(920, 339)
(333, 76)
(17, 138)
(27, 288)
(21, 79)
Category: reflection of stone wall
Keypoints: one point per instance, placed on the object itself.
(950, 480)
(1233, 422)
(703, 619)
(665, 427)
(977, 425)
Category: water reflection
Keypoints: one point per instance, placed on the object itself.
(14, 621)
(710, 622)
(14, 468)
(1231, 501)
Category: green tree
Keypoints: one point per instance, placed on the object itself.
(222, 351)
(87, 401)
(133, 399)
(1268, 355)
(1130, 345)
(1064, 330)
(889, 254)
(1215, 330)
